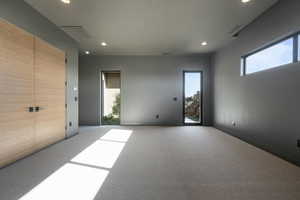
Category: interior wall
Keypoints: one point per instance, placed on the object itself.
(148, 86)
(264, 105)
(22, 15)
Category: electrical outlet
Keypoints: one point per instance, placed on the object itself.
(157, 116)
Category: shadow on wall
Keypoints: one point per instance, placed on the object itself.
(82, 176)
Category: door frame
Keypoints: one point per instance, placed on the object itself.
(201, 98)
(102, 95)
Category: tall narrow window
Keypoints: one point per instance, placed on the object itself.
(298, 47)
(192, 97)
(111, 98)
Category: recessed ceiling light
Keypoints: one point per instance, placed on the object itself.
(66, 1)
(246, 1)
(87, 52)
(103, 44)
(204, 43)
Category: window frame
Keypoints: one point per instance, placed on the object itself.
(296, 57)
(201, 98)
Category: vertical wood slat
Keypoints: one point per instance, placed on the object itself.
(32, 73)
(50, 76)
(16, 93)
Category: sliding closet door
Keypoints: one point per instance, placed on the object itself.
(49, 93)
(16, 93)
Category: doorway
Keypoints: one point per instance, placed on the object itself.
(192, 97)
(110, 97)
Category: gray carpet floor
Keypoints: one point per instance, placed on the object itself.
(151, 163)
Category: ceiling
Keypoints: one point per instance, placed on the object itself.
(151, 27)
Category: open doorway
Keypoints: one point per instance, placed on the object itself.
(110, 97)
(192, 97)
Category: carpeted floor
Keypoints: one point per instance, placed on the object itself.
(151, 163)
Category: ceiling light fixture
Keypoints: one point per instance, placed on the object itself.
(87, 52)
(66, 1)
(204, 43)
(246, 1)
(103, 44)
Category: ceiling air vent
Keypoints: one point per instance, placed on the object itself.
(78, 33)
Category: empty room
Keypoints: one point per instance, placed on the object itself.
(149, 99)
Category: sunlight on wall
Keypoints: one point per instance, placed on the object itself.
(82, 177)
(69, 182)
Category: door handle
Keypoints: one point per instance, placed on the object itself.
(30, 109)
(38, 109)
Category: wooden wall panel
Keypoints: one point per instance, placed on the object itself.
(16, 93)
(49, 93)
(32, 73)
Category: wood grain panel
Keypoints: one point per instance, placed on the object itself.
(49, 93)
(16, 93)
